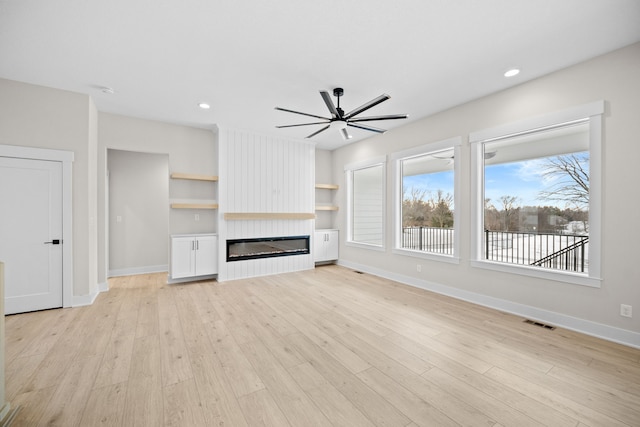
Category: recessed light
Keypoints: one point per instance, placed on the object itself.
(512, 72)
(204, 105)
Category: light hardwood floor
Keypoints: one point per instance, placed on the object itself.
(318, 348)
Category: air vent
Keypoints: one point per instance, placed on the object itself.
(541, 325)
(358, 272)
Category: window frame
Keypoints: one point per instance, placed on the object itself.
(451, 143)
(591, 113)
(348, 170)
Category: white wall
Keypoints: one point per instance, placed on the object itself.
(41, 117)
(138, 212)
(613, 78)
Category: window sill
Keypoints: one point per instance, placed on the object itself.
(523, 270)
(365, 246)
(427, 255)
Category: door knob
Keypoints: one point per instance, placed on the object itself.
(53, 242)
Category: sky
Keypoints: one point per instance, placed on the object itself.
(523, 179)
(431, 182)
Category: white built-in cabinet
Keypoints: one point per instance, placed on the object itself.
(194, 255)
(326, 245)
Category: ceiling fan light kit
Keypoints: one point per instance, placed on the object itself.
(340, 120)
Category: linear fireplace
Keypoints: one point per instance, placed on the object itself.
(266, 247)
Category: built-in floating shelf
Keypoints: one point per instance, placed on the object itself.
(326, 208)
(327, 186)
(231, 216)
(194, 205)
(194, 177)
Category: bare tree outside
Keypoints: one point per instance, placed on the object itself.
(422, 208)
(509, 212)
(441, 214)
(570, 176)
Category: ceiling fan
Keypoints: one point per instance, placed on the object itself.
(341, 120)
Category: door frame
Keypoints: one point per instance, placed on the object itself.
(66, 158)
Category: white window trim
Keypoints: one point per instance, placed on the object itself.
(397, 157)
(348, 170)
(592, 113)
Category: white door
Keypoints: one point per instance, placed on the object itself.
(31, 233)
(206, 255)
(319, 249)
(183, 257)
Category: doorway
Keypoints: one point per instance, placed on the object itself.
(138, 212)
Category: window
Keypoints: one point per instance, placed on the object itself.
(537, 206)
(425, 200)
(366, 190)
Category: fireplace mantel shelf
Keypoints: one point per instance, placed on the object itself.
(229, 216)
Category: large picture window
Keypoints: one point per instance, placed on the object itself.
(366, 190)
(536, 198)
(425, 199)
(536, 192)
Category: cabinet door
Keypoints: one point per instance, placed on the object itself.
(182, 257)
(332, 245)
(206, 255)
(319, 252)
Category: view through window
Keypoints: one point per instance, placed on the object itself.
(536, 199)
(428, 202)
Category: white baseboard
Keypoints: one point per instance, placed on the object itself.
(103, 287)
(82, 300)
(138, 270)
(171, 281)
(609, 333)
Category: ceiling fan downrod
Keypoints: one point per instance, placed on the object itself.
(338, 92)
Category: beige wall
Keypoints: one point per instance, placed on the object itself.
(139, 195)
(41, 117)
(190, 150)
(613, 78)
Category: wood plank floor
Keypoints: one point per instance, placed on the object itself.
(327, 347)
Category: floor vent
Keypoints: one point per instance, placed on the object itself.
(542, 325)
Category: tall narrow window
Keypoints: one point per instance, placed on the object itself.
(366, 204)
(425, 200)
(539, 196)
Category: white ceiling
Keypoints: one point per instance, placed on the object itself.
(244, 57)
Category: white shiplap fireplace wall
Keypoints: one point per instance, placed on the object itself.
(263, 174)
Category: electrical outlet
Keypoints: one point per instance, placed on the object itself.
(197, 217)
(626, 310)
(419, 268)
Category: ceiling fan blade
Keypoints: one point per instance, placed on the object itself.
(318, 131)
(368, 105)
(302, 124)
(373, 118)
(327, 100)
(345, 134)
(304, 114)
(369, 128)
